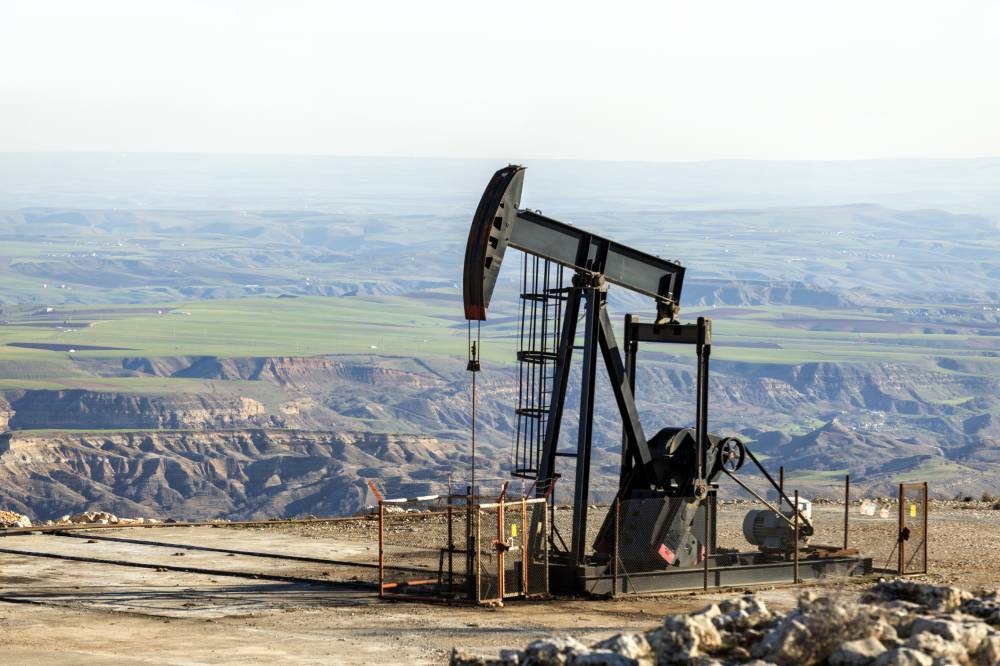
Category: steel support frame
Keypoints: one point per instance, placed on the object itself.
(596, 581)
(585, 431)
(698, 334)
(599, 336)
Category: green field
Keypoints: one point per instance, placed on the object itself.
(426, 328)
(242, 328)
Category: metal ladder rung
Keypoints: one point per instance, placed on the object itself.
(532, 412)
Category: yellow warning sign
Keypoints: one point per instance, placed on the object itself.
(513, 530)
(913, 510)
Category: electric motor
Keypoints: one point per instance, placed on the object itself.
(773, 533)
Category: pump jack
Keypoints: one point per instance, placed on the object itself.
(669, 481)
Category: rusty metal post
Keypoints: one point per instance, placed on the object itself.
(476, 555)
(704, 547)
(471, 560)
(501, 547)
(451, 543)
(847, 507)
(899, 534)
(545, 542)
(381, 548)
(524, 546)
(927, 506)
(795, 564)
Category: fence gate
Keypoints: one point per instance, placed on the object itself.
(419, 553)
(508, 562)
(912, 529)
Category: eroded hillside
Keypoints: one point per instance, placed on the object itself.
(288, 436)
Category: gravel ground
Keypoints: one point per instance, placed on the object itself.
(73, 612)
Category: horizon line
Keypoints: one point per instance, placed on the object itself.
(724, 160)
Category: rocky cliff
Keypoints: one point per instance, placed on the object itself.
(81, 409)
(5, 414)
(303, 443)
(197, 475)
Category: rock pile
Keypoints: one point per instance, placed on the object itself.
(14, 519)
(100, 518)
(898, 622)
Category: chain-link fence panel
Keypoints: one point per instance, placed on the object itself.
(420, 548)
(912, 528)
(488, 554)
(655, 534)
(535, 546)
(515, 529)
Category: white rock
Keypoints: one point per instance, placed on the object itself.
(632, 646)
(732, 605)
(988, 653)
(461, 658)
(903, 657)
(856, 653)
(601, 658)
(935, 597)
(683, 638)
(987, 608)
(788, 643)
(936, 646)
(553, 650)
(757, 611)
(744, 614)
(968, 634)
(511, 656)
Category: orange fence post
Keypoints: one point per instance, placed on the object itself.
(381, 547)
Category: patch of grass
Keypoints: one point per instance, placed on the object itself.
(937, 470)
(251, 327)
(816, 476)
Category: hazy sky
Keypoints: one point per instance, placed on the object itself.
(667, 80)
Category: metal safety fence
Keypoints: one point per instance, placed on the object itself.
(420, 548)
(446, 548)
